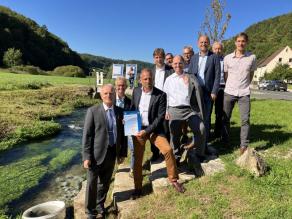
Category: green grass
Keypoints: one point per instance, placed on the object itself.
(236, 193)
(12, 81)
(290, 86)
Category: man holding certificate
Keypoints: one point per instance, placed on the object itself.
(151, 104)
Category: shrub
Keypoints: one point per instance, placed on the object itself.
(69, 71)
(30, 69)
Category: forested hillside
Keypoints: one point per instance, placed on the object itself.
(267, 36)
(38, 46)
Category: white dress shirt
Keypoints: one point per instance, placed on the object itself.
(177, 90)
(159, 77)
(144, 107)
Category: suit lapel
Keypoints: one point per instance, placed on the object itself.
(197, 63)
(138, 97)
(151, 100)
(103, 117)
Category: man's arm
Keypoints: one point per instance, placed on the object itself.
(217, 75)
(160, 115)
(88, 136)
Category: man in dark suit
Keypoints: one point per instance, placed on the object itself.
(151, 103)
(124, 102)
(160, 72)
(103, 142)
(206, 67)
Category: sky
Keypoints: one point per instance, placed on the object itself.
(132, 29)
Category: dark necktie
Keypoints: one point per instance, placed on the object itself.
(110, 119)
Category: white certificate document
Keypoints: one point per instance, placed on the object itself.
(132, 122)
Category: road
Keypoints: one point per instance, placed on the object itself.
(264, 94)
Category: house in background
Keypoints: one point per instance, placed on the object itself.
(281, 56)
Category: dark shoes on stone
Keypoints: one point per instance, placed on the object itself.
(136, 194)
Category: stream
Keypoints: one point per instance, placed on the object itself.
(64, 183)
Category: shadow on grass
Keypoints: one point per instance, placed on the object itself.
(271, 134)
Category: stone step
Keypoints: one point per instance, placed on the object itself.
(123, 188)
(78, 203)
(159, 175)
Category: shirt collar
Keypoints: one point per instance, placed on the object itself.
(148, 93)
(160, 69)
(204, 55)
(244, 55)
(120, 99)
(106, 108)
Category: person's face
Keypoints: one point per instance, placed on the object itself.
(107, 95)
(120, 88)
(146, 80)
(187, 55)
(168, 59)
(217, 49)
(178, 65)
(159, 60)
(240, 43)
(203, 44)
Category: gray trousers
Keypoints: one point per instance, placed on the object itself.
(244, 109)
(197, 126)
(98, 182)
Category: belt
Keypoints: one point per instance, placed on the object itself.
(181, 107)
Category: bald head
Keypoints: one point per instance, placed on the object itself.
(217, 48)
(178, 64)
(203, 43)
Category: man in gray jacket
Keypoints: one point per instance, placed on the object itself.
(103, 142)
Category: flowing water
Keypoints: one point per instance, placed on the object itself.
(55, 184)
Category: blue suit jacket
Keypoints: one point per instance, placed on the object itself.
(212, 71)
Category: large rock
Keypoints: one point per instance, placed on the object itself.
(211, 165)
(159, 176)
(253, 162)
(79, 210)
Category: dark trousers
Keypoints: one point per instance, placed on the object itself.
(219, 113)
(98, 182)
(197, 126)
(244, 109)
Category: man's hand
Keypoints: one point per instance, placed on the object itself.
(120, 160)
(86, 164)
(213, 97)
(167, 116)
(141, 134)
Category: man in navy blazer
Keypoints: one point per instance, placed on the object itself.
(205, 65)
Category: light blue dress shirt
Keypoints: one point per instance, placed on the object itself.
(201, 68)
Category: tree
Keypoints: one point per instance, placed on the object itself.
(216, 21)
(280, 72)
(12, 57)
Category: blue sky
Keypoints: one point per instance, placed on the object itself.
(131, 29)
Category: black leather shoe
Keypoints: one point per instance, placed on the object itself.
(154, 158)
(136, 194)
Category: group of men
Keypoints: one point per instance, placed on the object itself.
(171, 98)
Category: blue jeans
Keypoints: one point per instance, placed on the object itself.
(131, 147)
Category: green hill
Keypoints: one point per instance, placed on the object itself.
(267, 36)
(38, 46)
(105, 64)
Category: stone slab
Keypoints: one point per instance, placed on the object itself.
(78, 203)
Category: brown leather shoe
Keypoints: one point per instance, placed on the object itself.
(242, 150)
(178, 187)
